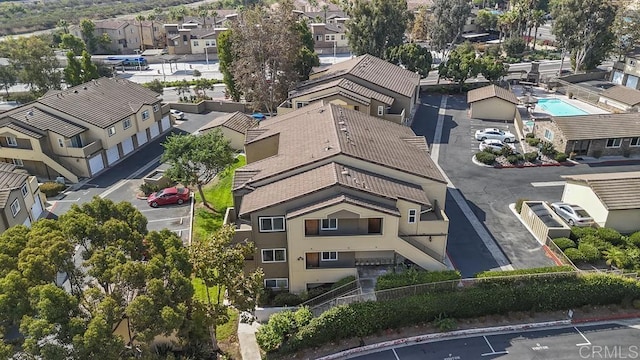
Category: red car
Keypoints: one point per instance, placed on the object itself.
(172, 195)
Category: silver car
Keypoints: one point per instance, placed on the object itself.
(574, 215)
(492, 133)
(177, 114)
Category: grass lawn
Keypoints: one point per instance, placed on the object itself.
(218, 195)
(226, 330)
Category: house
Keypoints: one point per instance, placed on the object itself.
(621, 97)
(627, 71)
(492, 103)
(592, 135)
(78, 132)
(367, 71)
(20, 200)
(610, 198)
(233, 126)
(124, 35)
(331, 37)
(328, 190)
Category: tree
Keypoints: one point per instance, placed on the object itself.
(626, 29)
(8, 77)
(307, 57)
(196, 160)
(155, 85)
(412, 57)
(87, 29)
(514, 46)
(35, 62)
(203, 12)
(226, 58)
(376, 25)
(89, 68)
(461, 65)
(616, 257)
(72, 43)
(140, 18)
(486, 20)
(492, 69)
(537, 21)
(177, 13)
(219, 265)
(152, 18)
(585, 29)
(449, 18)
(80, 71)
(64, 25)
(421, 24)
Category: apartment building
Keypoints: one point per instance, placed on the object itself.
(124, 35)
(327, 190)
(78, 132)
(20, 200)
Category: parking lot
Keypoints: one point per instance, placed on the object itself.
(602, 341)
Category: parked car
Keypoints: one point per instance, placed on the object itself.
(171, 195)
(491, 133)
(495, 145)
(574, 215)
(177, 114)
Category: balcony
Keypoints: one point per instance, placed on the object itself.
(342, 227)
(330, 260)
(85, 151)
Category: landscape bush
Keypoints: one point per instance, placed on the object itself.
(595, 241)
(561, 157)
(147, 188)
(547, 149)
(51, 188)
(486, 157)
(576, 256)
(634, 239)
(540, 270)
(343, 281)
(286, 299)
(414, 277)
(610, 235)
(564, 243)
(530, 136)
(590, 252)
(580, 232)
(281, 325)
(519, 204)
(533, 141)
(531, 156)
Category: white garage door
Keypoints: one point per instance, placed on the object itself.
(166, 123)
(154, 130)
(112, 155)
(142, 137)
(127, 146)
(96, 164)
(36, 209)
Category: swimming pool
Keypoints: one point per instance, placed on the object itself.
(557, 107)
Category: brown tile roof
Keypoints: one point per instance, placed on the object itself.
(45, 121)
(616, 191)
(346, 199)
(323, 177)
(623, 94)
(15, 125)
(316, 132)
(348, 86)
(236, 121)
(373, 70)
(101, 102)
(490, 91)
(10, 180)
(601, 126)
(110, 24)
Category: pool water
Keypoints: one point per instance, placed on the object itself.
(557, 107)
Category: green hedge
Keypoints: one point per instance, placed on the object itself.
(564, 243)
(486, 157)
(361, 319)
(343, 281)
(51, 189)
(414, 277)
(540, 270)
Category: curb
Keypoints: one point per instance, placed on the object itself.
(428, 337)
(607, 318)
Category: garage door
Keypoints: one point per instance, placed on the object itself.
(36, 209)
(142, 137)
(96, 164)
(127, 146)
(154, 130)
(166, 123)
(112, 155)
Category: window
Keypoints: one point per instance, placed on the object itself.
(15, 207)
(632, 62)
(281, 283)
(614, 143)
(274, 255)
(356, 108)
(318, 37)
(548, 134)
(342, 37)
(111, 131)
(126, 124)
(24, 190)
(11, 141)
(635, 141)
(271, 224)
(61, 142)
(329, 256)
(145, 115)
(328, 37)
(413, 215)
(156, 107)
(213, 43)
(17, 162)
(329, 224)
(196, 43)
(380, 110)
(300, 104)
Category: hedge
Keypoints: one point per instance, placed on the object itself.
(634, 238)
(343, 281)
(531, 156)
(575, 255)
(414, 277)
(564, 243)
(51, 189)
(590, 252)
(485, 157)
(361, 319)
(610, 235)
(539, 270)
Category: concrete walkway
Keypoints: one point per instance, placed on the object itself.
(247, 339)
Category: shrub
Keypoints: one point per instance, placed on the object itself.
(530, 136)
(596, 241)
(610, 235)
(636, 304)
(196, 73)
(590, 252)
(540, 270)
(444, 323)
(533, 141)
(155, 85)
(531, 156)
(564, 243)
(514, 46)
(547, 149)
(561, 157)
(343, 281)
(634, 238)
(148, 188)
(519, 204)
(580, 232)
(486, 158)
(280, 326)
(414, 277)
(286, 299)
(513, 159)
(575, 255)
(51, 189)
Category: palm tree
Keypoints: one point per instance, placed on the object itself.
(313, 4)
(64, 25)
(152, 18)
(214, 15)
(615, 257)
(537, 21)
(325, 8)
(140, 19)
(203, 13)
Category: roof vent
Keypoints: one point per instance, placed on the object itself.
(75, 91)
(328, 148)
(345, 172)
(341, 122)
(30, 112)
(84, 87)
(343, 129)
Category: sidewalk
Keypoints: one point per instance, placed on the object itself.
(247, 339)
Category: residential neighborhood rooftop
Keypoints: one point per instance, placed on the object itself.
(10, 179)
(45, 121)
(346, 85)
(236, 121)
(617, 191)
(490, 91)
(623, 94)
(599, 126)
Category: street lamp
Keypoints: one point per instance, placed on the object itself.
(206, 55)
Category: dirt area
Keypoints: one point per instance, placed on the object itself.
(231, 347)
(587, 313)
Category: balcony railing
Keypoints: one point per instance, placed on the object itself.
(86, 150)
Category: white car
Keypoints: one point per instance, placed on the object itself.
(495, 145)
(490, 133)
(574, 215)
(177, 114)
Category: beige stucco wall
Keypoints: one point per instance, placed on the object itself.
(236, 139)
(625, 221)
(21, 216)
(580, 194)
(262, 149)
(615, 104)
(493, 109)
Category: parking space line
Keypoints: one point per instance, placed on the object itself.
(168, 219)
(548, 183)
(584, 337)
(493, 351)
(63, 201)
(394, 353)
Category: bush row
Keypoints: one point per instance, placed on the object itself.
(414, 277)
(591, 245)
(51, 189)
(540, 270)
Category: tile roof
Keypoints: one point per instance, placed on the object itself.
(490, 91)
(372, 70)
(45, 121)
(17, 126)
(329, 175)
(623, 94)
(10, 180)
(320, 131)
(101, 102)
(236, 121)
(600, 126)
(110, 24)
(340, 199)
(616, 191)
(346, 85)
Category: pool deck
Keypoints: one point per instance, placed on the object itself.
(541, 93)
